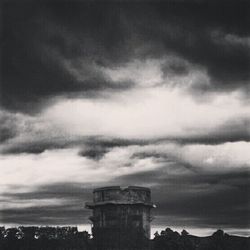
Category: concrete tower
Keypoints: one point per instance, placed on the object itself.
(121, 217)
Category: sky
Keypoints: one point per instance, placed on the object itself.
(152, 94)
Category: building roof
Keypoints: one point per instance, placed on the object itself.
(116, 195)
(121, 188)
(119, 202)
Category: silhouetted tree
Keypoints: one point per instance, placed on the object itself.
(184, 233)
(11, 233)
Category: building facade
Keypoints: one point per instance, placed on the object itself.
(121, 218)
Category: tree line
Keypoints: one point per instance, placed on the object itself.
(69, 238)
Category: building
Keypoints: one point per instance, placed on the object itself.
(121, 217)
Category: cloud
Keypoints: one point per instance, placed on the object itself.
(153, 113)
(46, 64)
(233, 39)
(53, 52)
(142, 73)
(30, 134)
(22, 133)
(200, 199)
(187, 199)
(208, 208)
(190, 183)
(46, 215)
(94, 152)
(8, 126)
(131, 118)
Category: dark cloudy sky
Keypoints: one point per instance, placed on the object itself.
(126, 93)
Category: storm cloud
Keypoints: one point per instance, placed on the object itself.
(63, 48)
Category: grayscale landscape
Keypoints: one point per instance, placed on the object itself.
(151, 94)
